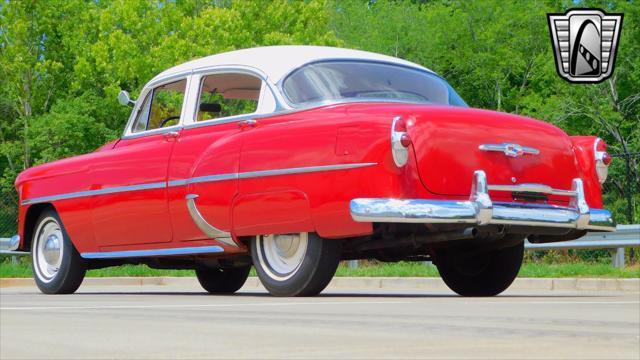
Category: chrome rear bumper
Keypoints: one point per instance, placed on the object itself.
(481, 210)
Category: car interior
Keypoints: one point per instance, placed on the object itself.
(223, 95)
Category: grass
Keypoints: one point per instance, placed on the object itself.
(402, 269)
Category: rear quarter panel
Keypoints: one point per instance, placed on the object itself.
(317, 200)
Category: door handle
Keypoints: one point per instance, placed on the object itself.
(171, 135)
(249, 123)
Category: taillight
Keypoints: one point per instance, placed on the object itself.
(405, 140)
(400, 141)
(602, 158)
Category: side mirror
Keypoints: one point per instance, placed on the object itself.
(124, 99)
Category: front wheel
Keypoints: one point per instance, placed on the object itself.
(477, 273)
(57, 265)
(300, 264)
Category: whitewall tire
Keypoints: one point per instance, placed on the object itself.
(57, 265)
(299, 264)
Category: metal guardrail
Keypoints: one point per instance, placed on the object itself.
(625, 236)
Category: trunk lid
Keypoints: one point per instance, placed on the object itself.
(446, 142)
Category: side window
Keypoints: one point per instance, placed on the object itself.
(161, 107)
(223, 95)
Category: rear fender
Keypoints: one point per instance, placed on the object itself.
(288, 211)
(583, 147)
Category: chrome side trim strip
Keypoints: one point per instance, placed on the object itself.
(112, 190)
(201, 179)
(301, 170)
(265, 173)
(202, 224)
(154, 252)
(198, 179)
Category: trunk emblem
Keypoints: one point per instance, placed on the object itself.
(510, 149)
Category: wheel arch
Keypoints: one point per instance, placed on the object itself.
(31, 217)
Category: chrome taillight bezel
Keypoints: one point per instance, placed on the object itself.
(399, 151)
(602, 169)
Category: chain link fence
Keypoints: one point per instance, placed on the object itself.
(8, 212)
(621, 195)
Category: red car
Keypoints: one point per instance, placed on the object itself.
(292, 158)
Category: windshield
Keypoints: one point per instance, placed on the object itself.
(353, 80)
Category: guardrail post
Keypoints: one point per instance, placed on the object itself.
(617, 258)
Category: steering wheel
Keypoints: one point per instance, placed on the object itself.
(165, 121)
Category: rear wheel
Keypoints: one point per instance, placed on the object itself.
(300, 264)
(57, 265)
(222, 280)
(473, 273)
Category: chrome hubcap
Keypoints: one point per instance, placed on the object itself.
(51, 250)
(48, 249)
(282, 254)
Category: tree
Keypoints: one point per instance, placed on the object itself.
(497, 55)
(64, 61)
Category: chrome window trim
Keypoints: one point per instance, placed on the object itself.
(238, 118)
(149, 96)
(286, 99)
(128, 130)
(152, 132)
(196, 180)
(191, 122)
(283, 112)
(283, 107)
(152, 252)
(249, 70)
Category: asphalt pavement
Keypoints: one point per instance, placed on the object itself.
(161, 322)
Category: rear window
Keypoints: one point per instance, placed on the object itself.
(354, 80)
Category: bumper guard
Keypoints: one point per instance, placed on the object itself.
(480, 210)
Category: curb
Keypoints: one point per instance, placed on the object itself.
(389, 283)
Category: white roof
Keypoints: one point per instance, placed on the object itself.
(277, 61)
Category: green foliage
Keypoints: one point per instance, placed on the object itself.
(401, 269)
(63, 62)
(55, 135)
(497, 55)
